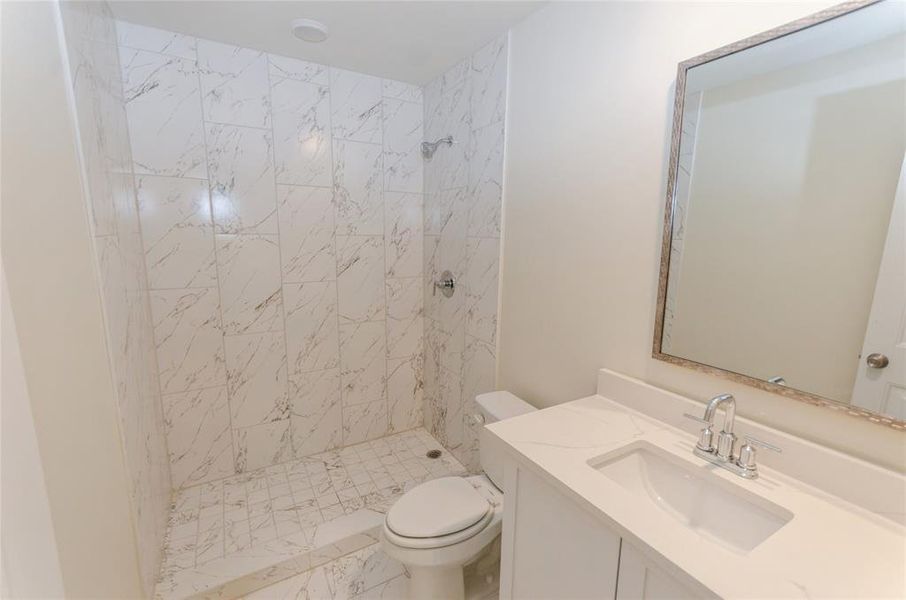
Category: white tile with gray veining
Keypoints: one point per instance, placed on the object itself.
(234, 83)
(362, 363)
(310, 515)
(140, 37)
(404, 317)
(198, 436)
(434, 213)
(88, 21)
(451, 78)
(188, 336)
(404, 392)
(99, 99)
(315, 412)
(299, 161)
(355, 106)
(89, 90)
(360, 278)
(432, 273)
(262, 445)
(249, 271)
(451, 398)
(307, 240)
(462, 206)
(452, 255)
(240, 165)
(312, 337)
(300, 70)
(256, 375)
(403, 234)
(362, 422)
(486, 180)
(478, 377)
(177, 232)
(403, 136)
(358, 188)
(449, 167)
(443, 348)
(301, 132)
(163, 106)
(481, 283)
(400, 90)
(488, 77)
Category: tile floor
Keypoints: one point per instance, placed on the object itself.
(369, 574)
(224, 519)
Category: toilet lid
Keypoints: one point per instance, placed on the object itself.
(437, 508)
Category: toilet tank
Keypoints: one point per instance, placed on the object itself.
(493, 407)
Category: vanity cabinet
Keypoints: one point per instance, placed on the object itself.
(640, 579)
(552, 548)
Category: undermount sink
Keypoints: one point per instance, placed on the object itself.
(693, 495)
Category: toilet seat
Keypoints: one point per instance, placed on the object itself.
(425, 543)
(438, 513)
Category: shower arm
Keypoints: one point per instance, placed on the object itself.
(429, 148)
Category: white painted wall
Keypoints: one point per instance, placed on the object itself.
(55, 297)
(588, 131)
(31, 565)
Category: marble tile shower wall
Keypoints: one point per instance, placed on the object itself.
(463, 195)
(281, 209)
(104, 146)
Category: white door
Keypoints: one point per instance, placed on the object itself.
(881, 376)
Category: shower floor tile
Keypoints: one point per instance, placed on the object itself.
(238, 534)
(369, 574)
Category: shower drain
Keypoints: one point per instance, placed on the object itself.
(433, 453)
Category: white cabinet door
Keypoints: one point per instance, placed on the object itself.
(552, 549)
(639, 579)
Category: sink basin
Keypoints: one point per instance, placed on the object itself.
(713, 507)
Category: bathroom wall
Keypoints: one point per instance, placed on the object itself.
(281, 210)
(111, 194)
(55, 292)
(463, 186)
(589, 113)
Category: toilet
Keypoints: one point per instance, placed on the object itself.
(439, 526)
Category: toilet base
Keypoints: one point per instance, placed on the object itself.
(434, 583)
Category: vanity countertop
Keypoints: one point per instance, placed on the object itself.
(830, 549)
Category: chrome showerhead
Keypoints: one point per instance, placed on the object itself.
(429, 148)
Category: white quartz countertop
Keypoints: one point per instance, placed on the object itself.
(830, 549)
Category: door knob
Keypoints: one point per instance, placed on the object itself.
(877, 361)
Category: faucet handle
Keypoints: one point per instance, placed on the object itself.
(705, 438)
(753, 441)
(746, 460)
(699, 419)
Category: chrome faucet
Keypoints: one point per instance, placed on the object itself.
(722, 455)
(726, 439)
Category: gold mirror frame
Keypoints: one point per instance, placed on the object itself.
(657, 353)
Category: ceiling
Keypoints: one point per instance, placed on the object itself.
(409, 41)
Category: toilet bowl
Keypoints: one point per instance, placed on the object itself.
(439, 526)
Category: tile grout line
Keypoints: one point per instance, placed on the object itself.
(273, 159)
(222, 329)
(384, 279)
(333, 179)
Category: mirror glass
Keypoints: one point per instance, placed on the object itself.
(787, 260)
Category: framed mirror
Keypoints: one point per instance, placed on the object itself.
(783, 263)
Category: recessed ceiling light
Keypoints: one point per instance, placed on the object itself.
(309, 30)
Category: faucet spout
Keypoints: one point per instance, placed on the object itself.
(728, 403)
